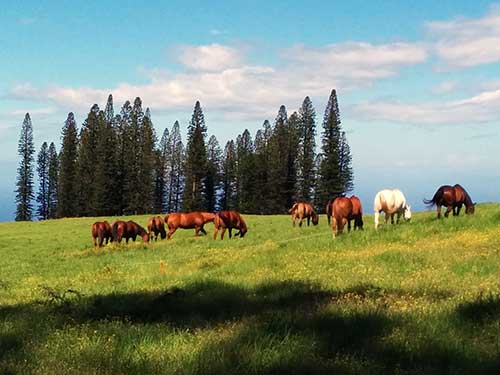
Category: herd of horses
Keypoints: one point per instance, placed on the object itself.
(103, 232)
(340, 211)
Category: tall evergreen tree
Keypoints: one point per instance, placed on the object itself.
(293, 134)
(213, 177)
(42, 169)
(307, 153)
(68, 178)
(53, 176)
(335, 169)
(245, 173)
(196, 162)
(87, 161)
(175, 166)
(162, 173)
(24, 184)
(262, 167)
(147, 159)
(109, 111)
(122, 125)
(229, 171)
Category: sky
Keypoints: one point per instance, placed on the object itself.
(418, 83)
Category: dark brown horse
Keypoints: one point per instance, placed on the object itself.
(342, 210)
(301, 211)
(156, 226)
(356, 215)
(189, 220)
(452, 197)
(101, 230)
(229, 220)
(128, 229)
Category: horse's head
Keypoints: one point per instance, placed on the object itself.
(242, 232)
(407, 213)
(315, 218)
(469, 210)
(145, 236)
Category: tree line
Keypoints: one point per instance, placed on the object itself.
(115, 164)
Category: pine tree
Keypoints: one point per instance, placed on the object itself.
(228, 194)
(213, 178)
(87, 162)
(109, 112)
(122, 125)
(24, 184)
(306, 155)
(262, 167)
(293, 134)
(335, 169)
(42, 169)
(196, 162)
(175, 166)
(105, 187)
(53, 174)
(147, 159)
(68, 182)
(245, 173)
(162, 173)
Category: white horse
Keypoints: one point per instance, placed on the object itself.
(391, 202)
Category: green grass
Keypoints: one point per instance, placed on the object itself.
(418, 298)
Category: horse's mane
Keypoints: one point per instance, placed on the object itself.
(468, 199)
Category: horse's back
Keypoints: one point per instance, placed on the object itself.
(342, 207)
(389, 200)
(357, 207)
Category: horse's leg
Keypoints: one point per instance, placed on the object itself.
(438, 209)
(348, 225)
(202, 229)
(230, 232)
(386, 217)
(216, 230)
(334, 226)
(170, 232)
(293, 219)
(392, 218)
(376, 215)
(300, 222)
(196, 231)
(398, 217)
(459, 207)
(308, 220)
(448, 210)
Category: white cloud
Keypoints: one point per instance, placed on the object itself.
(444, 87)
(481, 108)
(221, 80)
(213, 57)
(466, 42)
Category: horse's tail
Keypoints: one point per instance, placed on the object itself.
(437, 196)
(114, 231)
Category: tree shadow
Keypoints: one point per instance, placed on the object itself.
(291, 327)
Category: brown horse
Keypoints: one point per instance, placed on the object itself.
(342, 210)
(101, 230)
(356, 215)
(301, 211)
(453, 197)
(328, 210)
(128, 229)
(229, 220)
(156, 226)
(189, 220)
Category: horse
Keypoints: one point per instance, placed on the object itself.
(303, 210)
(189, 220)
(453, 197)
(356, 214)
(328, 210)
(156, 226)
(229, 220)
(342, 210)
(101, 230)
(391, 202)
(128, 229)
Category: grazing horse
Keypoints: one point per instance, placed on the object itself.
(101, 230)
(328, 210)
(391, 202)
(128, 229)
(189, 220)
(156, 226)
(342, 210)
(356, 214)
(453, 197)
(229, 220)
(302, 210)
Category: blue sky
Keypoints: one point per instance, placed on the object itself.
(418, 84)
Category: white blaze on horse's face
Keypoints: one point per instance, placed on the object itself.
(407, 213)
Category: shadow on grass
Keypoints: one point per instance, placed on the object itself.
(288, 327)
(485, 309)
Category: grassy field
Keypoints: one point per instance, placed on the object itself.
(418, 298)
